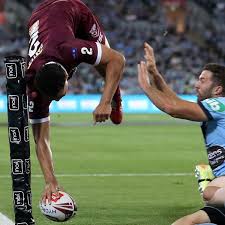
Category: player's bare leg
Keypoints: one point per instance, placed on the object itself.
(198, 217)
(214, 194)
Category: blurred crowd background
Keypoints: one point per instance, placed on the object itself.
(185, 35)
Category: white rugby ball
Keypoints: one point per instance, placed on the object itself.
(61, 209)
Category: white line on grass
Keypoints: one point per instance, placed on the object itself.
(5, 220)
(114, 175)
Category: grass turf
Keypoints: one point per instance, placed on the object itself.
(135, 148)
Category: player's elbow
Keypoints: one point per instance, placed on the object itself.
(116, 65)
(121, 61)
(41, 144)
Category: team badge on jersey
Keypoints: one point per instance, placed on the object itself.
(96, 33)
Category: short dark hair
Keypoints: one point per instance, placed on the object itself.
(50, 79)
(218, 72)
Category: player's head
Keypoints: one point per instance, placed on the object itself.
(51, 80)
(211, 82)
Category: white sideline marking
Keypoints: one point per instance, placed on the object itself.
(5, 220)
(113, 175)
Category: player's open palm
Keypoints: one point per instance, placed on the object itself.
(150, 58)
(102, 112)
(143, 76)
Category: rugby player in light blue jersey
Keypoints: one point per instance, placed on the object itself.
(210, 110)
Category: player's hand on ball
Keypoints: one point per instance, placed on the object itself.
(143, 76)
(102, 112)
(63, 207)
(50, 188)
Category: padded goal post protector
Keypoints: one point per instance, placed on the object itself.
(18, 133)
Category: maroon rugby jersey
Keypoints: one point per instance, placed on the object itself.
(63, 31)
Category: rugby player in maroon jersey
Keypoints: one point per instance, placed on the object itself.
(63, 34)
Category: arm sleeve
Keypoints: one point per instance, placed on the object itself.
(77, 51)
(38, 106)
(213, 108)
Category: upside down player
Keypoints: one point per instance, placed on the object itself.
(210, 110)
(63, 34)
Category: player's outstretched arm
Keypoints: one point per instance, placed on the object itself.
(113, 63)
(160, 99)
(169, 103)
(156, 78)
(44, 155)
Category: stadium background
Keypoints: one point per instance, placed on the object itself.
(127, 23)
(142, 171)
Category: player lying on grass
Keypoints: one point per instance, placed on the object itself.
(64, 34)
(210, 110)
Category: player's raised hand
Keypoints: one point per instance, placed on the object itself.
(143, 76)
(150, 58)
(102, 112)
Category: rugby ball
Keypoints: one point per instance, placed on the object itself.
(62, 207)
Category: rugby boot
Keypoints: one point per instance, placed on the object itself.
(116, 115)
(204, 175)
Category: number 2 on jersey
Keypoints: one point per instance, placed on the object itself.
(86, 51)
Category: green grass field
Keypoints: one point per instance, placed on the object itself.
(144, 145)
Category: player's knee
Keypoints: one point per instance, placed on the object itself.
(186, 220)
(208, 193)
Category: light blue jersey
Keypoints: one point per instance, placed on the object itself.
(214, 133)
